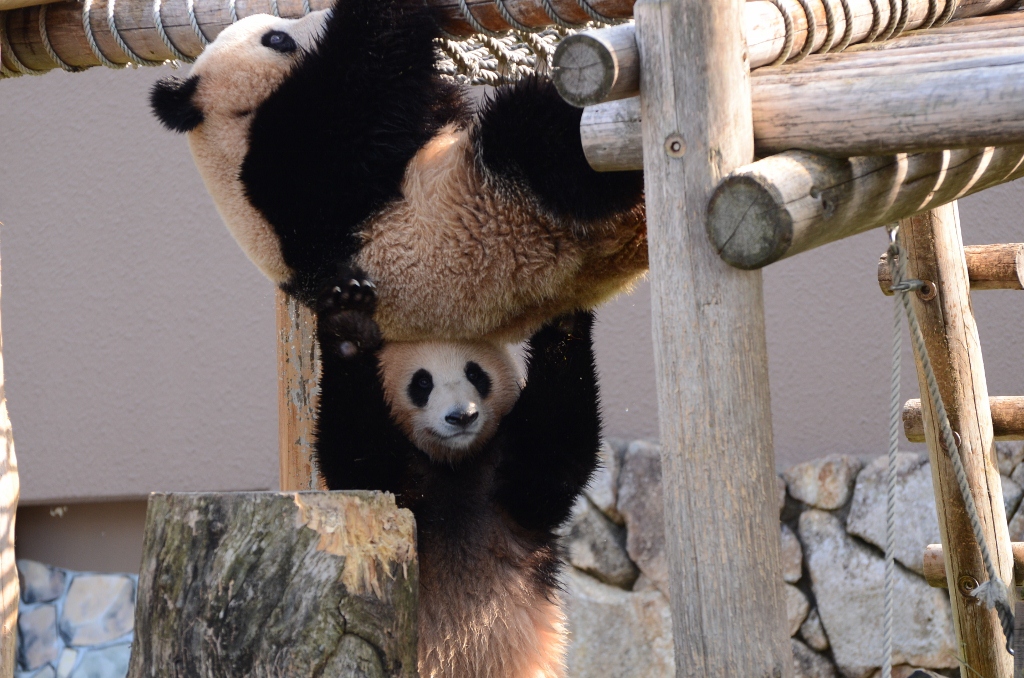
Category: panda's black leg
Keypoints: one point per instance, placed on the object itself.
(554, 430)
(358, 446)
(528, 135)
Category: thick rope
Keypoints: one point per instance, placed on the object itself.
(848, 30)
(21, 68)
(787, 21)
(992, 593)
(812, 30)
(512, 21)
(895, 417)
(91, 38)
(598, 16)
(133, 58)
(190, 7)
(48, 46)
(549, 9)
(171, 47)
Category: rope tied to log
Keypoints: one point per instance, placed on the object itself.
(895, 412)
(19, 68)
(993, 593)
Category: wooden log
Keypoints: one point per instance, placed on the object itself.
(935, 253)
(598, 52)
(710, 352)
(1007, 418)
(15, 4)
(1018, 640)
(134, 19)
(9, 490)
(990, 267)
(796, 201)
(298, 374)
(880, 104)
(935, 565)
(262, 584)
(609, 133)
(597, 66)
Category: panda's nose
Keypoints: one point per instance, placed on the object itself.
(462, 418)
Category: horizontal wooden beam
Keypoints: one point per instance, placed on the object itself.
(589, 61)
(796, 201)
(1007, 418)
(990, 267)
(876, 103)
(935, 568)
(135, 23)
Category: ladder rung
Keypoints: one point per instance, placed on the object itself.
(1007, 418)
(990, 267)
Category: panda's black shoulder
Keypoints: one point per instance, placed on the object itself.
(329, 147)
(526, 133)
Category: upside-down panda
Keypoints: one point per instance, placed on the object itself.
(332, 140)
(488, 470)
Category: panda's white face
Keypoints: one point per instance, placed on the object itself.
(449, 397)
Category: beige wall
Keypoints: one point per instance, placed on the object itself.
(139, 342)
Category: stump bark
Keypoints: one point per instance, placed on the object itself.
(274, 585)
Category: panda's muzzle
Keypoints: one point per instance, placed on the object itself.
(462, 418)
(173, 103)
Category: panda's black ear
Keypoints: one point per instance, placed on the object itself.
(171, 99)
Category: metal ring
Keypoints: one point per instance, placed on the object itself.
(159, 21)
(477, 26)
(91, 38)
(512, 21)
(15, 61)
(848, 33)
(787, 21)
(132, 56)
(549, 9)
(812, 31)
(598, 16)
(48, 46)
(190, 6)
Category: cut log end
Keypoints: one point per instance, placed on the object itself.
(744, 222)
(269, 584)
(584, 70)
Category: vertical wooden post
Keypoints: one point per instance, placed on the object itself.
(721, 512)
(298, 367)
(936, 254)
(9, 487)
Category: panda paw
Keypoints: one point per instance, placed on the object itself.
(344, 310)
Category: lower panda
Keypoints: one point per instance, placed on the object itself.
(489, 470)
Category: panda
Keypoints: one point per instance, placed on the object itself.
(488, 469)
(332, 141)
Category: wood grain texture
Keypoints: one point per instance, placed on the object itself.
(796, 201)
(877, 103)
(990, 267)
(298, 378)
(1007, 418)
(765, 33)
(9, 488)
(935, 565)
(720, 492)
(134, 19)
(935, 253)
(273, 585)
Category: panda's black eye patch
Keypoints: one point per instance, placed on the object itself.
(420, 387)
(279, 41)
(479, 379)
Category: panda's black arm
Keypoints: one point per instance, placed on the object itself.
(551, 436)
(357, 447)
(528, 135)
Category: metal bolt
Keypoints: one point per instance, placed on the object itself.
(927, 291)
(967, 584)
(675, 146)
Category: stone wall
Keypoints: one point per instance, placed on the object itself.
(74, 624)
(832, 529)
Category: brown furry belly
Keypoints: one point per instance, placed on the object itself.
(500, 630)
(458, 258)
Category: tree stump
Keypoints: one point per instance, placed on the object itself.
(275, 585)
